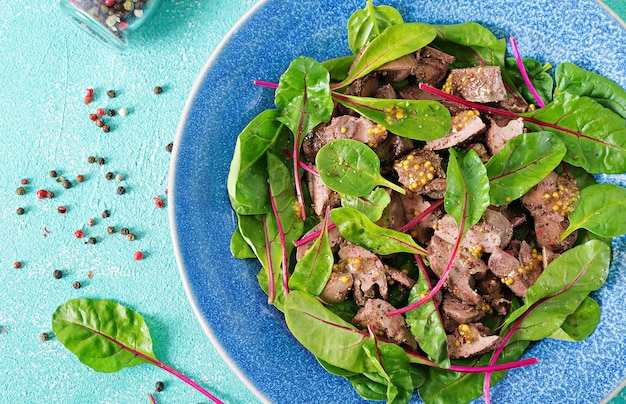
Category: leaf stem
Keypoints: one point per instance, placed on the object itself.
(306, 167)
(151, 398)
(477, 369)
(522, 69)
(421, 216)
(265, 84)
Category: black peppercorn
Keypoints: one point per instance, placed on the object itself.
(67, 184)
(124, 231)
(109, 176)
(105, 214)
(76, 285)
(101, 161)
(169, 147)
(20, 211)
(91, 159)
(106, 128)
(159, 386)
(121, 190)
(111, 94)
(158, 90)
(53, 174)
(20, 191)
(57, 274)
(111, 112)
(44, 336)
(91, 240)
(110, 229)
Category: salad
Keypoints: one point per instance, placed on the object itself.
(442, 215)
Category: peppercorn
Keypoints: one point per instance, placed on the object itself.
(111, 112)
(91, 240)
(50, 194)
(122, 111)
(121, 190)
(119, 177)
(76, 285)
(105, 214)
(108, 176)
(131, 236)
(57, 274)
(111, 93)
(110, 229)
(101, 161)
(93, 117)
(91, 159)
(100, 112)
(20, 211)
(99, 123)
(158, 387)
(158, 90)
(20, 191)
(91, 222)
(169, 147)
(106, 128)
(79, 233)
(41, 194)
(43, 337)
(124, 231)
(80, 178)
(23, 181)
(53, 173)
(138, 256)
(61, 209)
(67, 184)
(17, 265)
(88, 100)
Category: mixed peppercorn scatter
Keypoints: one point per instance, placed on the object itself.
(114, 15)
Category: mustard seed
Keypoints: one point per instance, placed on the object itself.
(57, 274)
(91, 159)
(20, 211)
(76, 285)
(20, 191)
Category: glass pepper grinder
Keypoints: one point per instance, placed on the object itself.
(110, 21)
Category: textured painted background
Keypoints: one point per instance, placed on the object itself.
(44, 125)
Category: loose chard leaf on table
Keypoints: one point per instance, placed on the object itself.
(392, 43)
(521, 164)
(595, 136)
(350, 167)
(599, 210)
(366, 24)
(355, 227)
(413, 119)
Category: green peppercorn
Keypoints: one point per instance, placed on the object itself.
(20, 191)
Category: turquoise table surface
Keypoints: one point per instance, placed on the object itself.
(47, 65)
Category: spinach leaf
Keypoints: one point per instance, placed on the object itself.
(355, 227)
(467, 190)
(521, 164)
(313, 270)
(303, 96)
(444, 387)
(597, 209)
(595, 137)
(581, 323)
(575, 80)
(367, 388)
(426, 326)
(413, 119)
(366, 24)
(538, 75)
(392, 365)
(339, 68)
(350, 167)
(392, 43)
(325, 334)
(559, 290)
(471, 44)
(371, 205)
(238, 246)
(247, 178)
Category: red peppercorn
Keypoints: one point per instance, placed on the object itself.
(138, 256)
(61, 209)
(100, 112)
(23, 181)
(79, 233)
(18, 264)
(42, 194)
(88, 100)
(93, 117)
(123, 25)
(89, 92)
(159, 202)
(109, 3)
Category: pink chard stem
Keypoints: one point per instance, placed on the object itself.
(421, 216)
(262, 83)
(522, 70)
(303, 165)
(151, 398)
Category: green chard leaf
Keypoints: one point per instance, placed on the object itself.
(467, 191)
(392, 43)
(521, 164)
(581, 323)
(575, 80)
(325, 334)
(597, 209)
(102, 334)
(393, 369)
(559, 290)
(471, 44)
(373, 205)
(350, 167)
(339, 68)
(247, 178)
(355, 227)
(595, 137)
(303, 96)
(366, 24)
(538, 75)
(239, 248)
(413, 119)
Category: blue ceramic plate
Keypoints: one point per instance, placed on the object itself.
(224, 291)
